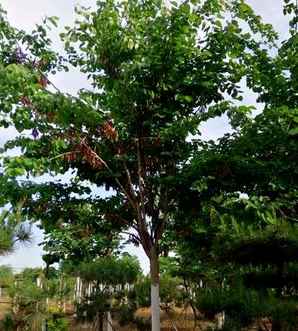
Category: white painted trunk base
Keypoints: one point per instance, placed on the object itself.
(220, 317)
(155, 307)
(109, 322)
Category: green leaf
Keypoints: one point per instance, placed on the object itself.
(294, 131)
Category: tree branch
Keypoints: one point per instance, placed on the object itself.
(164, 207)
(143, 231)
(132, 235)
(141, 180)
(129, 181)
(96, 156)
(124, 221)
(64, 93)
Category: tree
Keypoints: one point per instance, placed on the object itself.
(74, 231)
(245, 226)
(157, 71)
(36, 300)
(104, 283)
(6, 278)
(12, 231)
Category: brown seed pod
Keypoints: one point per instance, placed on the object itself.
(26, 101)
(90, 156)
(43, 82)
(71, 156)
(109, 131)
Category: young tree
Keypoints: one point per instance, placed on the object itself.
(6, 278)
(104, 281)
(157, 71)
(12, 231)
(30, 292)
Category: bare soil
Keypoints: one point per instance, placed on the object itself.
(4, 307)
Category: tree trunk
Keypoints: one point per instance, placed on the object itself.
(155, 300)
(98, 324)
(220, 320)
(109, 321)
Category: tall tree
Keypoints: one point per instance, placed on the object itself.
(246, 184)
(157, 71)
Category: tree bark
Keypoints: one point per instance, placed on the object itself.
(99, 322)
(109, 321)
(155, 300)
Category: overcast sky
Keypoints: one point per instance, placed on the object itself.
(26, 13)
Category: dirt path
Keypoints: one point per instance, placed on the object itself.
(4, 307)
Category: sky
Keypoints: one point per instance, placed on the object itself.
(26, 13)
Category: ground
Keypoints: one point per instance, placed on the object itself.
(178, 320)
(4, 307)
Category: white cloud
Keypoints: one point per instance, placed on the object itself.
(25, 14)
(271, 12)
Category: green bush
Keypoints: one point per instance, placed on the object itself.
(126, 314)
(168, 291)
(285, 314)
(142, 292)
(7, 324)
(239, 304)
(58, 324)
(231, 325)
(142, 324)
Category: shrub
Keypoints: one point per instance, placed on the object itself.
(126, 314)
(7, 324)
(238, 303)
(58, 324)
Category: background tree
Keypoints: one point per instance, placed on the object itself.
(36, 300)
(6, 278)
(246, 224)
(106, 285)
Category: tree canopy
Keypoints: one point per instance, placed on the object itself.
(156, 71)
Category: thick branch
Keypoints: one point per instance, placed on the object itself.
(130, 184)
(164, 208)
(141, 180)
(143, 231)
(123, 220)
(133, 235)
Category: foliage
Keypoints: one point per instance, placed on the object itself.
(238, 303)
(142, 323)
(12, 231)
(245, 222)
(110, 270)
(30, 292)
(107, 283)
(126, 314)
(6, 276)
(157, 72)
(7, 323)
(169, 292)
(58, 324)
